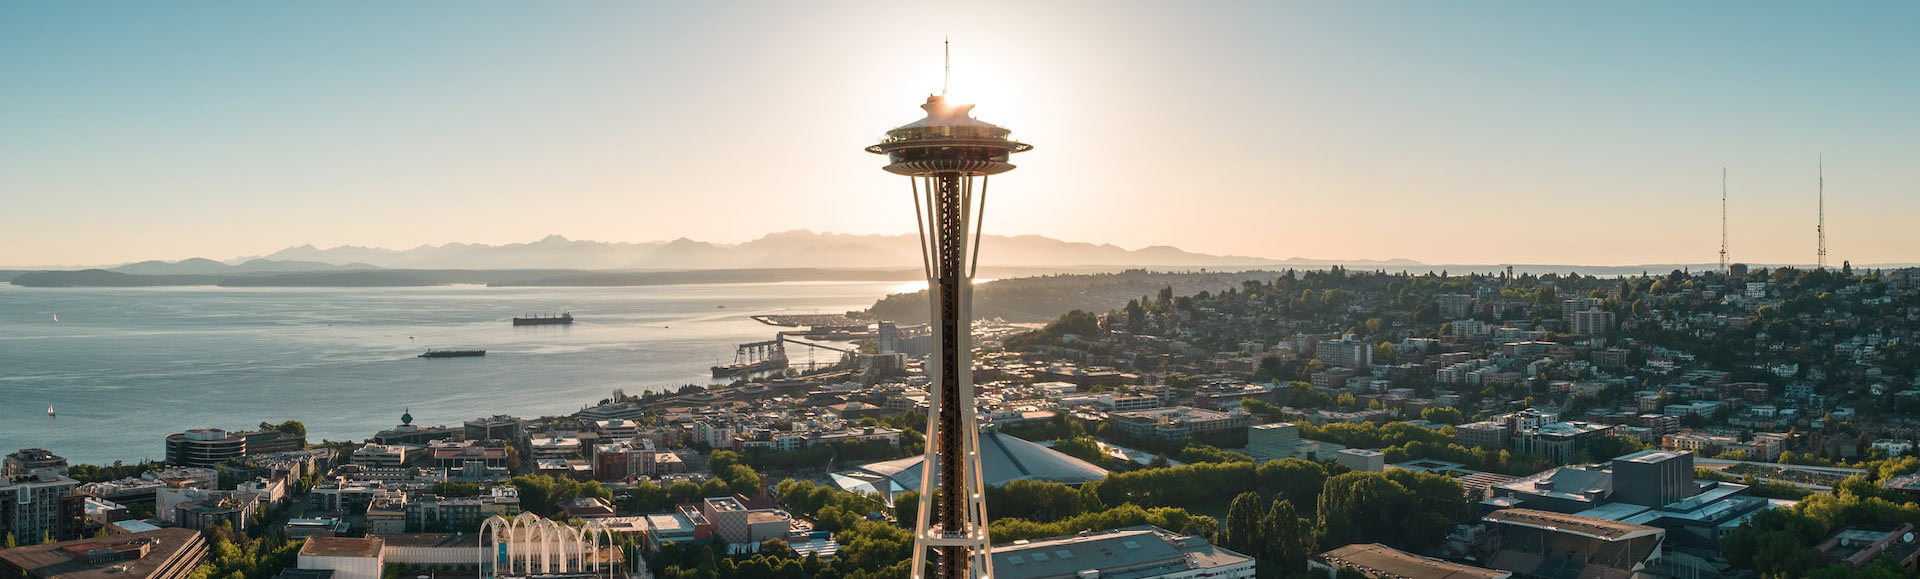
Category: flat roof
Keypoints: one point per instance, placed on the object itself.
(1649, 456)
(367, 548)
(758, 517)
(669, 522)
(1585, 526)
(427, 540)
(52, 560)
(1127, 553)
(1383, 560)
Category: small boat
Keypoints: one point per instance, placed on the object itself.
(49, 410)
(56, 318)
(453, 353)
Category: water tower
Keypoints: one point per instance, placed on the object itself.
(948, 157)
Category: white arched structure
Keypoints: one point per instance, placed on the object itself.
(527, 545)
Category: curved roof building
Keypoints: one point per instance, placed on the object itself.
(1003, 459)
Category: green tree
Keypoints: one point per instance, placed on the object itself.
(1243, 530)
(1294, 480)
(1289, 541)
(1442, 415)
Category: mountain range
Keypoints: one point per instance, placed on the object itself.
(790, 249)
(204, 266)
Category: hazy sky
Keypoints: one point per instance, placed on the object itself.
(1448, 132)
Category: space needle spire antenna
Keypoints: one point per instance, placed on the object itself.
(1820, 258)
(1723, 222)
(948, 157)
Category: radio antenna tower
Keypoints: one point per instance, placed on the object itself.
(945, 155)
(1820, 259)
(1723, 222)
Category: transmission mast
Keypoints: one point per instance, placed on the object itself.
(1820, 260)
(1723, 222)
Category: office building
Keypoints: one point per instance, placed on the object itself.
(204, 447)
(273, 441)
(1487, 434)
(500, 427)
(1558, 441)
(736, 524)
(1653, 488)
(1177, 423)
(1282, 440)
(1549, 544)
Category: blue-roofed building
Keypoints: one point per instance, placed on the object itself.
(1654, 488)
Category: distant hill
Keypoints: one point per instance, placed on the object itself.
(204, 266)
(790, 249)
(104, 278)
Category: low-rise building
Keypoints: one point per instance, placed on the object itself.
(1177, 423)
(154, 554)
(1856, 547)
(1380, 561)
(1142, 552)
(1282, 440)
(501, 427)
(1548, 544)
(348, 558)
(384, 455)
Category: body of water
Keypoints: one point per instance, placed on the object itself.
(125, 367)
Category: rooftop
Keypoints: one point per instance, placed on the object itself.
(1129, 553)
(341, 547)
(1003, 458)
(424, 540)
(53, 560)
(1390, 562)
(1585, 526)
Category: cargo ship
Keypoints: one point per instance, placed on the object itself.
(453, 353)
(544, 320)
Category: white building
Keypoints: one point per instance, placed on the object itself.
(383, 455)
(348, 558)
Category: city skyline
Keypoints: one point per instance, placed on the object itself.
(1497, 133)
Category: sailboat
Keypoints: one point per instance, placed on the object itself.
(56, 318)
(49, 410)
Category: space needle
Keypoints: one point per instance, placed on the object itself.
(948, 157)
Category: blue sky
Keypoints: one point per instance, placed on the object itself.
(1485, 132)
